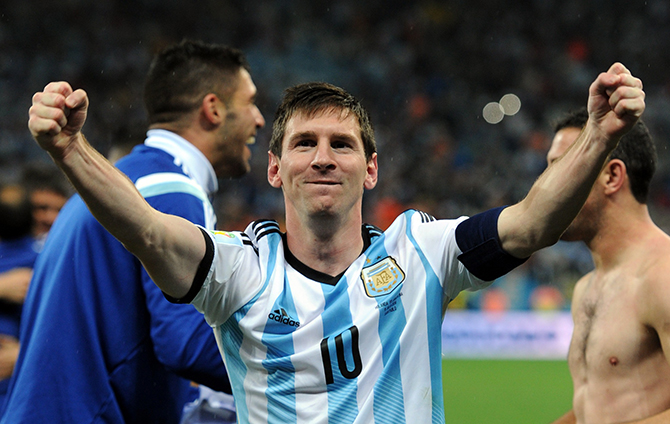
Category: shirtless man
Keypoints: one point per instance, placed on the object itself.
(619, 356)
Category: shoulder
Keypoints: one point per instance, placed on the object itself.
(262, 232)
(164, 184)
(419, 229)
(261, 228)
(580, 288)
(653, 274)
(414, 218)
(145, 160)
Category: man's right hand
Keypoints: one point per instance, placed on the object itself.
(56, 117)
(616, 102)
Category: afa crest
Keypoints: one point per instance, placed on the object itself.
(382, 278)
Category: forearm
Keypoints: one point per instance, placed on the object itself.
(616, 102)
(556, 197)
(169, 247)
(109, 195)
(163, 243)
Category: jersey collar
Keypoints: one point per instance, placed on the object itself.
(187, 156)
(319, 276)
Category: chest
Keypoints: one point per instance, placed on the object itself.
(364, 295)
(371, 308)
(608, 334)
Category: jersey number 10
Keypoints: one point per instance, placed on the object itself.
(341, 360)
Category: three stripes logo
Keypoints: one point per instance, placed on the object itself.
(281, 316)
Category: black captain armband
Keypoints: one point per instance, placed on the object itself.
(200, 274)
(478, 239)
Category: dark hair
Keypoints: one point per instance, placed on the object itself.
(16, 218)
(316, 97)
(42, 176)
(181, 75)
(636, 149)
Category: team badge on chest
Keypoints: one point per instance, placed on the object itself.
(382, 278)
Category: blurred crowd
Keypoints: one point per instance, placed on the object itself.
(424, 69)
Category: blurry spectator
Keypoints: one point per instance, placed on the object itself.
(48, 191)
(17, 256)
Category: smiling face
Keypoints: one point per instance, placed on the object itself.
(242, 120)
(323, 170)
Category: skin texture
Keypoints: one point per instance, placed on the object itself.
(616, 101)
(323, 172)
(241, 118)
(619, 356)
(222, 132)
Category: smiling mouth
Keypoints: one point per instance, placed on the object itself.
(323, 183)
(251, 140)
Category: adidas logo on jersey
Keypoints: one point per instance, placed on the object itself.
(281, 316)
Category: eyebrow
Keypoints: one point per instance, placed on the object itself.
(308, 134)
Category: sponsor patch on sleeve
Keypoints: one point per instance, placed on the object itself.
(227, 237)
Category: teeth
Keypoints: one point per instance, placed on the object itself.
(251, 140)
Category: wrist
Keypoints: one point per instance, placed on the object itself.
(597, 137)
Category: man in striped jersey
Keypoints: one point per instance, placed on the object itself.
(334, 321)
(99, 341)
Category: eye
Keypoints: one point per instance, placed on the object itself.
(305, 142)
(341, 144)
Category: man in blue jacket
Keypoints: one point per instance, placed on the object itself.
(100, 343)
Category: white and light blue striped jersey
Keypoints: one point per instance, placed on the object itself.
(363, 347)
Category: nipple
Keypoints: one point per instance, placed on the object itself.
(614, 361)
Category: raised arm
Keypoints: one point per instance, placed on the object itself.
(169, 247)
(616, 102)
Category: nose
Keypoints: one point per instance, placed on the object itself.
(260, 121)
(323, 156)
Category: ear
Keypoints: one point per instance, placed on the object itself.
(372, 173)
(615, 176)
(274, 174)
(213, 109)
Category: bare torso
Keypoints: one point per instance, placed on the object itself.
(618, 367)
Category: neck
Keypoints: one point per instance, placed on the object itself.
(328, 244)
(624, 230)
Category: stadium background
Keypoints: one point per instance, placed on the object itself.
(424, 69)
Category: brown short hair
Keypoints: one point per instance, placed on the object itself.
(315, 97)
